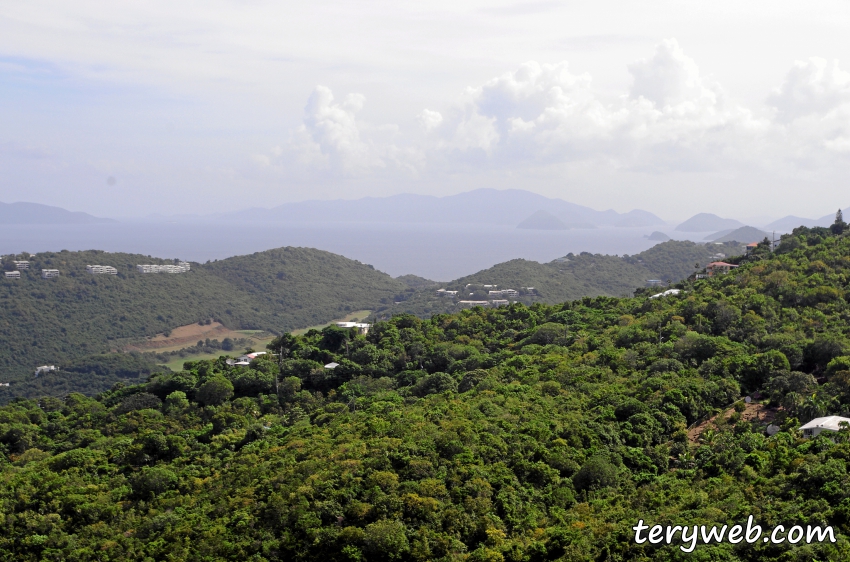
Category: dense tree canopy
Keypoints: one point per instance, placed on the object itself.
(539, 432)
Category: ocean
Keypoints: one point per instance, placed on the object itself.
(438, 252)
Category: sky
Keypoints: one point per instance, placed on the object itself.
(677, 107)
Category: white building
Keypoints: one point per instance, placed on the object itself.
(667, 293)
(44, 369)
(503, 293)
(20, 265)
(13, 275)
(101, 270)
(49, 273)
(829, 423)
(151, 268)
(473, 303)
(361, 328)
(500, 302)
(445, 293)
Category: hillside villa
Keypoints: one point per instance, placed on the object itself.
(101, 270)
(829, 423)
(181, 267)
(719, 268)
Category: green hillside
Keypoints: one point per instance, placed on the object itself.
(48, 321)
(521, 433)
(569, 278)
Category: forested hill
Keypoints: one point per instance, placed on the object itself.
(571, 277)
(502, 434)
(47, 321)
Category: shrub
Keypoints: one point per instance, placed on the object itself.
(596, 473)
(141, 401)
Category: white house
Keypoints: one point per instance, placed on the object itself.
(44, 369)
(445, 293)
(829, 423)
(13, 275)
(500, 302)
(101, 270)
(667, 293)
(183, 267)
(473, 303)
(19, 265)
(49, 273)
(361, 327)
(333, 365)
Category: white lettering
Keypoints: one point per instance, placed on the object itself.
(821, 534)
(735, 534)
(776, 531)
(672, 531)
(751, 538)
(656, 534)
(637, 529)
(713, 534)
(693, 540)
(795, 529)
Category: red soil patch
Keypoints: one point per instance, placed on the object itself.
(753, 411)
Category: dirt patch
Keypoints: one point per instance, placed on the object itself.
(753, 411)
(184, 336)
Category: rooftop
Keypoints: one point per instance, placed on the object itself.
(829, 422)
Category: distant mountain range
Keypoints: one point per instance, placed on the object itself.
(514, 207)
(35, 213)
(480, 206)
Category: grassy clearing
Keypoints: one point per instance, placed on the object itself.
(259, 337)
(176, 364)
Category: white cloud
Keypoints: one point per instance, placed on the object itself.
(430, 119)
(815, 86)
(544, 120)
(541, 114)
(333, 128)
(669, 78)
(331, 138)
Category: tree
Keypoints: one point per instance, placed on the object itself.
(215, 391)
(597, 472)
(839, 225)
(281, 345)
